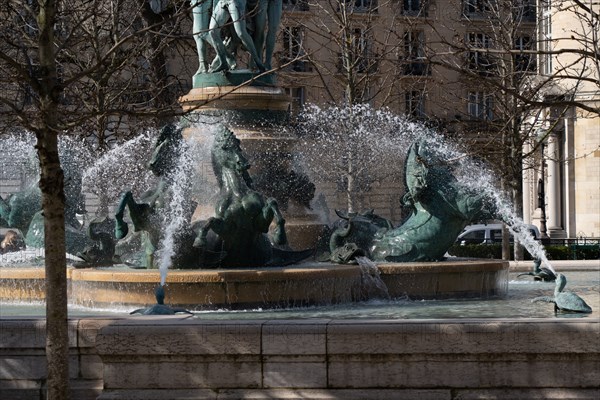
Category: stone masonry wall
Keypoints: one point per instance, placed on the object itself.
(190, 358)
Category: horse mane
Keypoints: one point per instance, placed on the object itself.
(221, 145)
(217, 167)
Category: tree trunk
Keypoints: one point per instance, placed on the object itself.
(350, 188)
(53, 206)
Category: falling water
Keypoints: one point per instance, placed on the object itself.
(124, 167)
(372, 286)
(379, 138)
(175, 213)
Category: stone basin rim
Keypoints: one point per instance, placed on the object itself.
(302, 271)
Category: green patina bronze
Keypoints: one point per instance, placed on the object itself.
(235, 237)
(101, 249)
(18, 209)
(440, 209)
(22, 210)
(565, 301)
(232, 78)
(540, 273)
(222, 24)
(242, 215)
(147, 214)
(160, 308)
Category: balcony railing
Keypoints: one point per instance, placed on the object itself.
(295, 5)
(415, 68)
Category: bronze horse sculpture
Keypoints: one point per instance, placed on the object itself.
(440, 209)
(147, 214)
(242, 215)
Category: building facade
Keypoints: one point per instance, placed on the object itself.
(568, 166)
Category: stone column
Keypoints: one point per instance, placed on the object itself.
(569, 175)
(527, 183)
(555, 228)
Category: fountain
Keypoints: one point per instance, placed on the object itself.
(211, 264)
(228, 261)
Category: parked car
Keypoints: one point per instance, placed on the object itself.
(489, 233)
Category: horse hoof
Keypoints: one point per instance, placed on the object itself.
(199, 243)
(280, 237)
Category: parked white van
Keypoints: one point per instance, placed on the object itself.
(488, 233)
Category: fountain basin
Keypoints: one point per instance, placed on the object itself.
(296, 286)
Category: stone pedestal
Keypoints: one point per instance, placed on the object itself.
(259, 116)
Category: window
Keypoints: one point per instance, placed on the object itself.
(524, 62)
(477, 236)
(359, 56)
(295, 5)
(478, 58)
(473, 8)
(414, 54)
(414, 7)
(525, 10)
(361, 6)
(292, 49)
(292, 42)
(546, 37)
(414, 103)
(297, 94)
(481, 106)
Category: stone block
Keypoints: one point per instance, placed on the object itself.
(31, 367)
(188, 374)
(333, 394)
(145, 337)
(18, 334)
(462, 337)
(185, 394)
(84, 389)
(294, 337)
(528, 394)
(20, 389)
(88, 329)
(90, 366)
(482, 371)
(25, 367)
(295, 374)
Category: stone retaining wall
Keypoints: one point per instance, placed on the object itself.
(189, 358)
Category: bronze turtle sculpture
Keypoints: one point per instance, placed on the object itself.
(565, 301)
(160, 308)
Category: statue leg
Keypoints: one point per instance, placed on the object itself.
(140, 215)
(201, 16)
(212, 224)
(271, 211)
(218, 20)
(274, 19)
(121, 228)
(239, 25)
(260, 24)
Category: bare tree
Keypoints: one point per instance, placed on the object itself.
(347, 46)
(354, 146)
(513, 69)
(68, 66)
